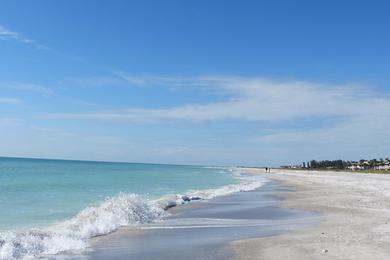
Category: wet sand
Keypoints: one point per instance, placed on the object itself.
(356, 211)
(205, 230)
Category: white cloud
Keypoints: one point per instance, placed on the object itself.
(7, 34)
(34, 87)
(52, 131)
(13, 101)
(350, 130)
(97, 81)
(254, 99)
(22, 86)
(350, 140)
(122, 79)
(358, 116)
(209, 83)
(10, 121)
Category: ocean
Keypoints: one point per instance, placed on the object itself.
(52, 206)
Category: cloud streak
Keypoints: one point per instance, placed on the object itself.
(22, 86)
(7, 34)
(330, 121)
(254, 99)
(360, 117)
(10, 101)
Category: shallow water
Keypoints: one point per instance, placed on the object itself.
(204, 230)
(51, 206)
(35, 193)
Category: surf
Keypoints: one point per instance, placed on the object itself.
(124, 209)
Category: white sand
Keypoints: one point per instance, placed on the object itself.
(356, 210)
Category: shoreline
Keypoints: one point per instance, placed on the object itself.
(368, 171)
(356, 212)
(204, 230)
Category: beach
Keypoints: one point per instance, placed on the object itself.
(50, 207)
(355, 209)
(59, 208)
(238, 213)
(204, 230)
(295, 215)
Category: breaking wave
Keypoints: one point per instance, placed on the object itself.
(122, 210)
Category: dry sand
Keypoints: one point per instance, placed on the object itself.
(356, 210)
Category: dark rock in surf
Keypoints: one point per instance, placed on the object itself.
(186, 198)
(170, 204)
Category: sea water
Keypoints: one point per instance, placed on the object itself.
(51, 206)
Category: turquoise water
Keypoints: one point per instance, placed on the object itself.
(37, 192)
(53, 206)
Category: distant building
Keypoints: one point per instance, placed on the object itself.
(355, 167)
(385, 166)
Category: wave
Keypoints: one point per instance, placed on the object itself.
(125, 209)
(247, 183)
(121, 210)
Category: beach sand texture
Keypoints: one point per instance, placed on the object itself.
(356, 210)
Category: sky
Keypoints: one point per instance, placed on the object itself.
(262, 83)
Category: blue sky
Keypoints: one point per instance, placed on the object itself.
(195, 82)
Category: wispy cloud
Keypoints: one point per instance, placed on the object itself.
(13, 101)
(176, 80)
(10, 121)
(98, 81)
(7, 34)
(255, 99)
(353, 138)
(53, 131)
(123, 79)
(207, 82)
(351, 130)
(353, 120)
(23, 86)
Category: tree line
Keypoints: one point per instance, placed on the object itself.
(334, 164)
(342, 165)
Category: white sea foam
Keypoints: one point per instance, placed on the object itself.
(247, 183)
(121, 210)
